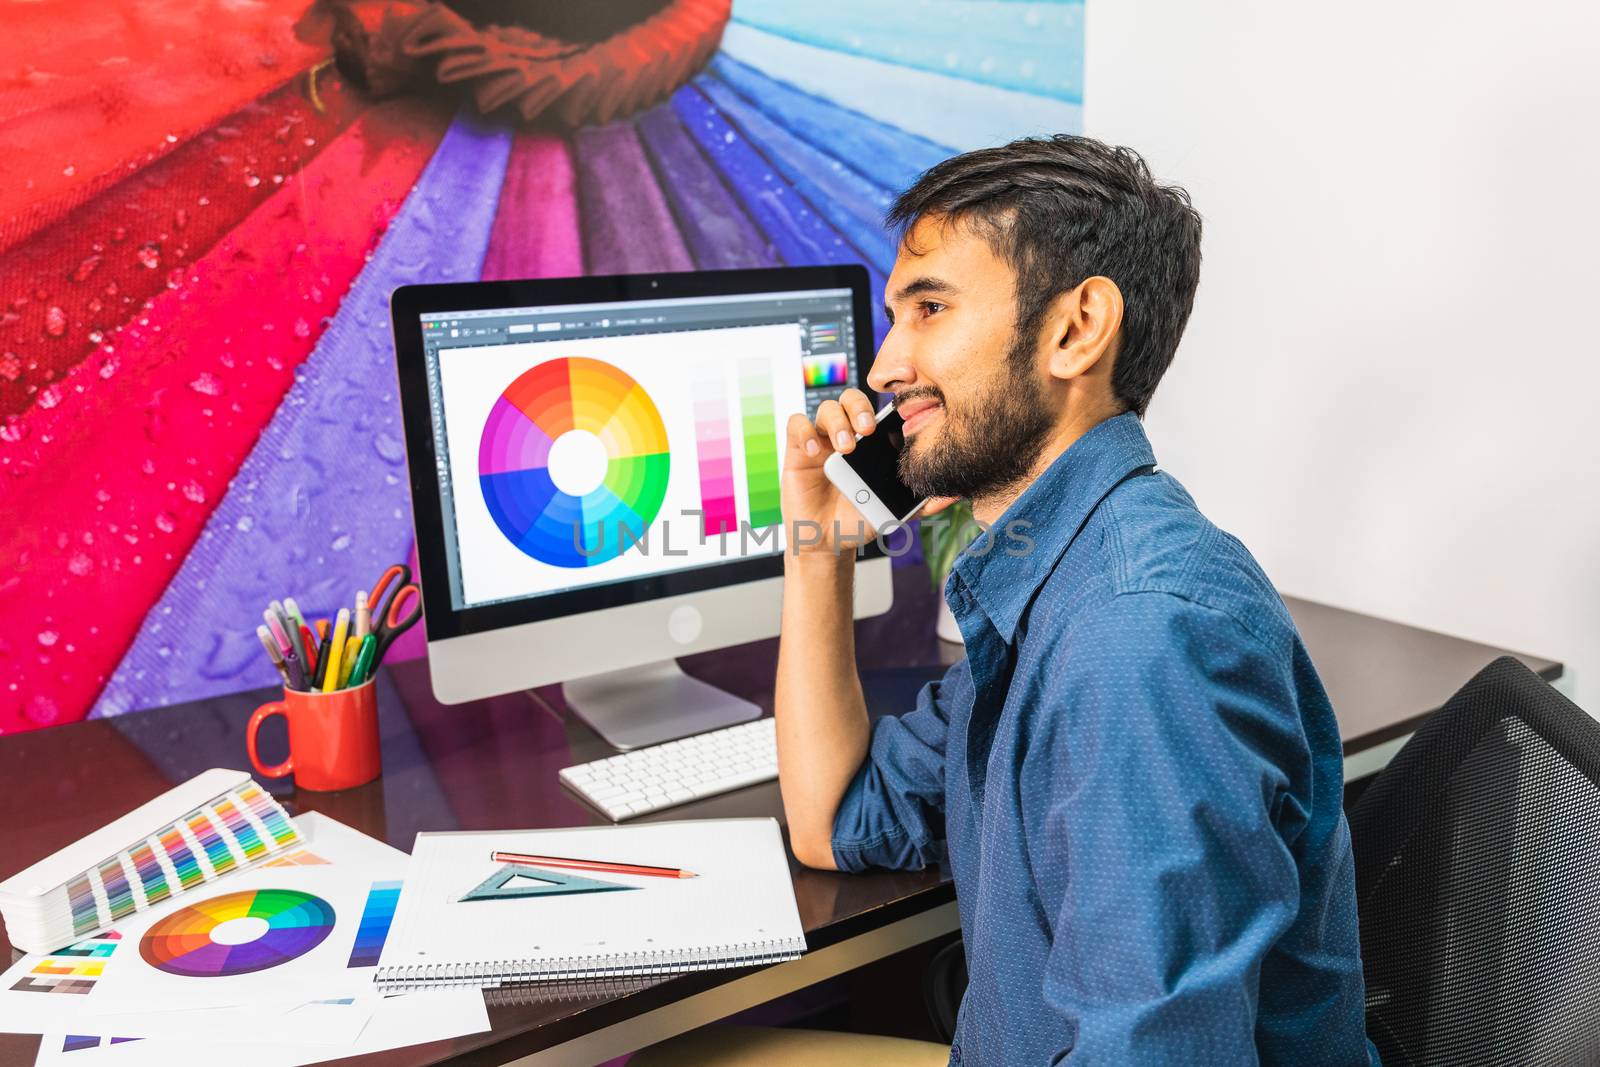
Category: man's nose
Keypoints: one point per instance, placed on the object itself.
(893, 369)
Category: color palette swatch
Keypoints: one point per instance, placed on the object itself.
(376, 918)
(234, 829)
(831, 369)
(73, 969)
(714, 445)
(566, 395)
(758, 423)
(289, 923)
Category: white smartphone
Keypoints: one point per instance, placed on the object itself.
(870, 475)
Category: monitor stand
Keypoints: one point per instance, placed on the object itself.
(647, 705)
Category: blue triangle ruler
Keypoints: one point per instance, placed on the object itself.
(513, 880)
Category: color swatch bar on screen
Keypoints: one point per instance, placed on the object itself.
(715, 445)
(760, 431)
(824, 334)
(376, 918)
(832, 369)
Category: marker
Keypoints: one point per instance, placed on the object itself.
(272, 653)
(341, 631)
(278, 611)
(322, 628)
(322, 661)
(295, 617)
(347, 661)
(275, 626)
(364, 657)
(309, 642)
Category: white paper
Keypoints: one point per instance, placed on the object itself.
(412, 1019)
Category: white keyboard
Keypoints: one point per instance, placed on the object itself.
(649, 779)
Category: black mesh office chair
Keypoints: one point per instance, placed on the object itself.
(1477, 854)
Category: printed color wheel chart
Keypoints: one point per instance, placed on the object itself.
(237, 933)
(573, 462)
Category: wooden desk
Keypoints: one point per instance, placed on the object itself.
(493, 764)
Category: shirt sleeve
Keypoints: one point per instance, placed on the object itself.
(892, 815)
(1163, 851)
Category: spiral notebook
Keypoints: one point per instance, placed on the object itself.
(465, 918)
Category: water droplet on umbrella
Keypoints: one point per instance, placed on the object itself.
(102, 496)
(180, 218)
(48, 638)
(69, 170)
(166, 522)
(86, 268)
(13, 429)
(208, 384)
(55, 321)
(341, 543)
(150, 255)
(49, 398)
(80, 565)
(302, 328)
(193, 491)
(10, 367)
(42, 710)
(108, 366)
(244, 524)
(175, 278)
(251, 179)
(388, 448)
(148, 466)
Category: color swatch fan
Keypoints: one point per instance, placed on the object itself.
(215, 823)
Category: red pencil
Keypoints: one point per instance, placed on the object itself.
(526, 860)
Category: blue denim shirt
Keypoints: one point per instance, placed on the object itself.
(1136, 778)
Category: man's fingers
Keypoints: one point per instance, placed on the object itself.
(858, 406)
(937, 504)
(803, 436)
(834, 424)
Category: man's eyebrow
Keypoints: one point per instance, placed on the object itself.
(918, 286)
(925, 284)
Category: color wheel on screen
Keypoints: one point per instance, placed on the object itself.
(573, 462)
(237, 933)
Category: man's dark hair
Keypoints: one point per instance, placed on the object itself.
(1062, 209)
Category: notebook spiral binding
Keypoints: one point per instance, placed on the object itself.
(595, 966)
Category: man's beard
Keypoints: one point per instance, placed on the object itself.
(991, 443)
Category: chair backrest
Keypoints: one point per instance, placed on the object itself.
(1477, 855)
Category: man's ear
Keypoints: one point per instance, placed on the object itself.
(1083, 324)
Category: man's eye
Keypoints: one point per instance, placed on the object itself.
(932, 306)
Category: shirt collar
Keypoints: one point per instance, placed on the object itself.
(996, 575)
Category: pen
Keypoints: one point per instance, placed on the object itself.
(272, 653)
(341, 630)
(524, 859)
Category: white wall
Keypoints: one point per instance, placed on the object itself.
(1390, 388)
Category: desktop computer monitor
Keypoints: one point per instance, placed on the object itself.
(595, 468)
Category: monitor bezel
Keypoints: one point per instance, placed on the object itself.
(410, 303)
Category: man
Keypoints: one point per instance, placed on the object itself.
(1135, 775)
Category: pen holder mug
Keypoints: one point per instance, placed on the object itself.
(333, 737)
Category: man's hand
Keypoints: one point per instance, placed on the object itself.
(819, 518)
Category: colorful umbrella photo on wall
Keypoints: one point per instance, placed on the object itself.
(204, 208)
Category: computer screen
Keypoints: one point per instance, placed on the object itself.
(581, 445)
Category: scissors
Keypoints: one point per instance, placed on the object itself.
(388, 619)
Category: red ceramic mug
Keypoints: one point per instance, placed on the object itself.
(333, 737)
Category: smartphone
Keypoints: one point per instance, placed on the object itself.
(870, 475)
